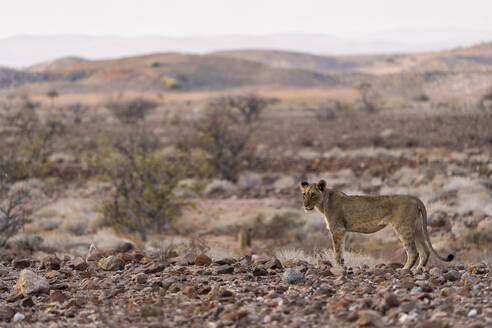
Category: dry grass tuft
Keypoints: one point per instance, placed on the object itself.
(352, 259)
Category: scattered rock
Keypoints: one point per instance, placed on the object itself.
(259, 271)
(227, 260)
(6, 313)
(478, 269)
(452, 275)
(154, 268)
(370, 318)
(202, 259)
(224, 269)
(141, 278)
(30, 283)
(225, 293)
(3, 287)
(293, 276)
(124, 247)
(50, 262)
(78, 264)
(19, 317)
(111, 263)
(391, 300)
(166, 283)
(27, 302)
(435, 272)
(337, 271)
(22, 263)
(58, 296)
(273, 264)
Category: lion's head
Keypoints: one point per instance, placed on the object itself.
(312, 194)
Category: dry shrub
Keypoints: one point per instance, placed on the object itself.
(131, 111)
(25, 154)
(370, 98)
(14, 210)
(281, 225)
(351, 259)
(226, 143)
(144, 181)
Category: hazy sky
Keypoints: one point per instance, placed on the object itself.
(343, 18)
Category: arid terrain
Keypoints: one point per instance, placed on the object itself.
(163, 190)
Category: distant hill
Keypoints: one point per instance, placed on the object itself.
(53, 64)
(176, 71)
(446, 72)
(26, 50)
(293, 60)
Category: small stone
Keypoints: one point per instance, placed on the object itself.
(396, 265)
(225, 293)
(141, 278)
(85, 274)
(22, 263)
(52, 274)
(51, 262)
(27, 302)
(6, 313)
(124, 247)
(446, 292)
(126, 257)
(293, 276)
(19, 317)
(370, 317)
(29, 283)
(3, 286)
(324, 290)
(435, 272)
(202, 259)
(472, 313)
(224, 269)
(434, 323)
(78, 264)
(337, 271)
(58, 296)
(475, 325)
(63, 285)
(391, 300)
(273, 264)
(452, 275)
(227, 260)
(204, 290)
(259, 271)
(174, 288)
(478, 269)
(111, 263)
(154, 268)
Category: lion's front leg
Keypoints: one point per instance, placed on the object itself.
(338, 236)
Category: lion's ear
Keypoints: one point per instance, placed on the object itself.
(304, 185)
(321, 185)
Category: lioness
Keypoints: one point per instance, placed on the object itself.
(369, 214)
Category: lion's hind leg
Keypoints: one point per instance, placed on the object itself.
(422, 247)
(407, 238)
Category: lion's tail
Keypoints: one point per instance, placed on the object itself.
(423, 212)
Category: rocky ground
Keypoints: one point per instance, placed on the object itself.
(128, 289)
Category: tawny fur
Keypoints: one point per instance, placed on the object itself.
(367, 214)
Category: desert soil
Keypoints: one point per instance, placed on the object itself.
(129, 289)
